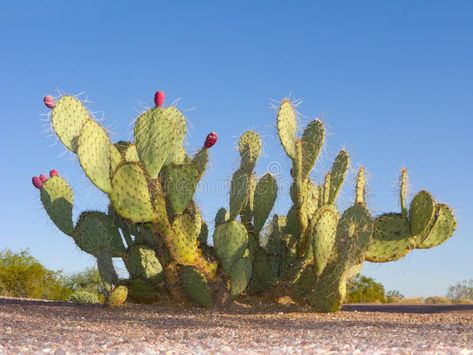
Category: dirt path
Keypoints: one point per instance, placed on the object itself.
(48, 327)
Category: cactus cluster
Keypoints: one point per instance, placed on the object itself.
(155, 226)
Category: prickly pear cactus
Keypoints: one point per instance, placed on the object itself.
(155, 226)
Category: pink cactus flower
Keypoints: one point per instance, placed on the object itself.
(37, 182)
(49, 101)
(43, 178)
(53, 173)
(210, 140)
(159, 98)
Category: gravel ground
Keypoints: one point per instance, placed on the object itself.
(61, 328)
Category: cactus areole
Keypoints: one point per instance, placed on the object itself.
(154, 224)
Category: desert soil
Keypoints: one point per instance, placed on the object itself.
(51, 327)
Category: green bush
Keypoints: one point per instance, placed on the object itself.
(87, 280)
(82, 296)
(364, 289)
(437, 300)
(21, 275)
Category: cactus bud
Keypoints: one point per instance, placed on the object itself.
(49, 101)
(53, 173)
(292, 172)
(37, 182)
(210, 140)
(43, 178)
(159, 98)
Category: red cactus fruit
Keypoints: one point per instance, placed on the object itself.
(49, 101)
(159, 98)
(37, 182)
(210, 140)
(43, 178)
(53, 173)
(292, 172)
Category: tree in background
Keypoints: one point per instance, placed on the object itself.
(461, 290)
(363, 289)
(21, 275)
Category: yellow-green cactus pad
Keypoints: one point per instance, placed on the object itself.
(443, 228)
(249, 147)
(264, 196)
(323, 230)
(131, 155)
(115, 159)
(421, 214)
(287, 128)
(230, 243)
(95, 231)
(179, 183)
(312, 142)
(391, 238)
(338, 174)
(196, 287)
(130, 196)
(200, 160)
(158, 132)
(221, 217)
(240, 277)
(311, 199)
(238, 192)
(68, 117)
(57, 199)
(117, 296)
(185, 245)
(142, 263)
(93, 149)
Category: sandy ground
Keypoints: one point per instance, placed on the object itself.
(61, 328)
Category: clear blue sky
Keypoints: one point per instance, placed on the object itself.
(393, 81)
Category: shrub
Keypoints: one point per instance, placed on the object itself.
(437, 300)
(82, 296)
(21, 275)
(364, 289)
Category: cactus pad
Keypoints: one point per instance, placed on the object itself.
(442, 229)
(323, 230)
(312, 142)
(142, 263)
(131, 200)
(158, 132)
(57, 199)
(240, 277)
(230, 243)
(93, 149)
(337, 175)
(117, 296)
(421, 214)
(391, 239)
(221, 217)
(185, 244)
(68, 117)
(180, 182)
(238, 192)
(195, 286)
(287, 128)
(249, 147)
(264, 198)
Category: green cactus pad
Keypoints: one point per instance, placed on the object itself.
(142, 292)
(443, 228)
(106, 269)
(115, 158)
(238, 193)
(131, 154)
(118, 296)
(338, 174)
(179, 183)
(360, 192)
(221, 217)
(68, 117)
(421, 214)
(391, 239)
(249, 147)
(323, 230)
(196, 287)
(304, 282)
(142, 263)
(403, 191)
(246, 213)
(329, 290)
(130, 195)
(57, 199)
(158, 132)
(240, 277)
(263, 273)
(311, 199)
(185, 245)
(93, 149)
(95, 231)
(200, 160)
(265, 194)
(287, 128)
(230, 243)
(312, 142)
